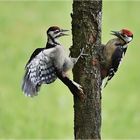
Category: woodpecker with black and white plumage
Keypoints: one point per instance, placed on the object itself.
(113, 52)
(46, 64)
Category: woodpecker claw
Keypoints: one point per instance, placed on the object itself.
(82, 54)
(81, 95)
(79, 91)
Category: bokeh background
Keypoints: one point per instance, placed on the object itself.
(23, 26)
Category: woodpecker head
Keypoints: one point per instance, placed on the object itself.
(55, 32)
(124, 34)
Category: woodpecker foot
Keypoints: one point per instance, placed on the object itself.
(78, 91)
(82, 54)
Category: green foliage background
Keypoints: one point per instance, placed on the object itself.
(23, 26)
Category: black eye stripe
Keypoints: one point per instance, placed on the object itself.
(57, 31)
(124, 35)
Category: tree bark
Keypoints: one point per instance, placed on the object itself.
(86, 30)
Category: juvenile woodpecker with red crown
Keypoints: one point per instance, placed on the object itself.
(113, 52)
(48, 63)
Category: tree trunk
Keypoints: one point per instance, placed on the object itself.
(86, 30)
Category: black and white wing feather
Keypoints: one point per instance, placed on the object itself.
(116, 61)
(39, 70)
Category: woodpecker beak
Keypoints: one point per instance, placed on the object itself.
(116, 33)
(63, 32)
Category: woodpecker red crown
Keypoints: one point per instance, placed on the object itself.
(127, 32)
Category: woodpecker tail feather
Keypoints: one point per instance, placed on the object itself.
(29, 88)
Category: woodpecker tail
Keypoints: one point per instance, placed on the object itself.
(29, 88)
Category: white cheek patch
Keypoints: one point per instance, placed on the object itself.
(129, 39)
(51, 33)
(54, 34)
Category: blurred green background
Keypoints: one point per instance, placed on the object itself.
(23, 28)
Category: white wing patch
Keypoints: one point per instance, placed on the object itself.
(39, 71)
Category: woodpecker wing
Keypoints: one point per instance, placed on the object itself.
(38, 70)
(116, 61)
(34, 54)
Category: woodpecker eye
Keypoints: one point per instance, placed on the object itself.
(57, 31)
(124, 35)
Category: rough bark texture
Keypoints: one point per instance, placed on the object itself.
(86, 30)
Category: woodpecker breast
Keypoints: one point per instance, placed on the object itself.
(109, 49)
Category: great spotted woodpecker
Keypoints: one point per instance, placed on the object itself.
(46, 64)
(113, 53)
